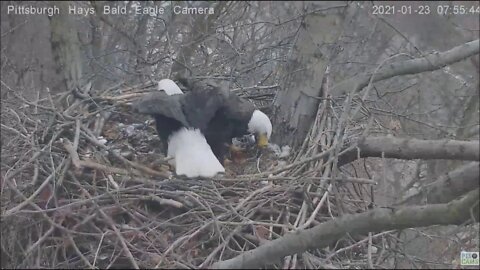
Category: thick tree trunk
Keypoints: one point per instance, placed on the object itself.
(296, 104)
(66, 47)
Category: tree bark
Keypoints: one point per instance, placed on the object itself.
(390, 147)
(66, 47)
(296, 104)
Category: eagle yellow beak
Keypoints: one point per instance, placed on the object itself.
(262, 140)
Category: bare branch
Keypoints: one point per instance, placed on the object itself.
(380, 219)
(430, 62)
(29, 199)
(413, 149)
(449, 186)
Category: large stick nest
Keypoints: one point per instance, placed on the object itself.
(85, 185)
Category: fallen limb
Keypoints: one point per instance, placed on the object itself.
(380, 219)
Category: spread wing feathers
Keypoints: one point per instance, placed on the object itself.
(234, 114)
(159, 103)
(238, 108)
(205, 104)
(201, 105)
(232, 106)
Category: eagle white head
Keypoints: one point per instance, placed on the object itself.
(169, 86)
(261, 126)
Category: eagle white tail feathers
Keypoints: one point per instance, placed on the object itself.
(193, 155)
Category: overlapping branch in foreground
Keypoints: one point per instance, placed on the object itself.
(390, 147)
(380, 219)
(448, 186)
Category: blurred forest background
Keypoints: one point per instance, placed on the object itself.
(381, 112)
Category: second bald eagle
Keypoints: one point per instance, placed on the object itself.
(202, 121)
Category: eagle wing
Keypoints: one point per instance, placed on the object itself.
(159, 103)
(238, 108)
(239, 111)
(201, 104)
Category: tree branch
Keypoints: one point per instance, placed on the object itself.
(380, 219)
(449, 186)
(413, 149)
(430, 62)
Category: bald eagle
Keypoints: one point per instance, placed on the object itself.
(235, 117)
(198, 126)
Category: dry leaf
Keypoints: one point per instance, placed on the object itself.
(262, 232)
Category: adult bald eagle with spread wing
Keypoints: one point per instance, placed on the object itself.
(196, 127)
